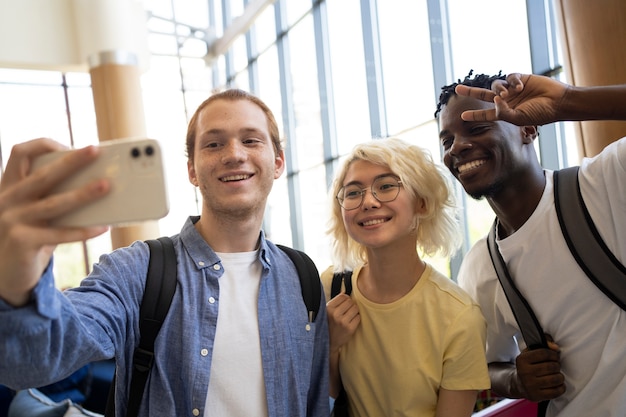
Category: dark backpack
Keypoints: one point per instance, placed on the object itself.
(586, 246)
(160, 289)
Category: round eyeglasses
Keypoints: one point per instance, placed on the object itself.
(384, 189)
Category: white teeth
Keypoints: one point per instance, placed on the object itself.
(373, 222)
(470, 165)
(235, 178)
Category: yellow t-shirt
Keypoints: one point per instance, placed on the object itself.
(403, 352)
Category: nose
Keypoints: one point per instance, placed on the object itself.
(233, 152)
(459, 146)
(369, 200)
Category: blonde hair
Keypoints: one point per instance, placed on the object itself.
(438, 229)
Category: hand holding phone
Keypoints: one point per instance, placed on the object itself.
(134, 169)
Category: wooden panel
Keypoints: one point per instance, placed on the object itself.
(593, 34)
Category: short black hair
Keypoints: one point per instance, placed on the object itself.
(480, 80)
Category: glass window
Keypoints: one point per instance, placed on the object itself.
(348, 74)
(19, 76)
(265, 28)
(162, 44)
(196, 74)
(240, 53)
(217, 22)
(22, 118)
(242, 81)
(315, 213)
(179, 79)
(277, 224)
(296, 9)
(236, 8)
(407, 73)
(506, 53)
(166, 121)
(308, 127)
(269, 85)
(83, 116)
(193, 47)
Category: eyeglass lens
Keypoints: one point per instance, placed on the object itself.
(384, 189)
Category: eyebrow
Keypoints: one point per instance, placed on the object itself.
(244, 130)
(388, 174)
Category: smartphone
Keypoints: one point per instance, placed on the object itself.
(134, 168)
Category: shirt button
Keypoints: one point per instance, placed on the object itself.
(204, 352)
(216, 267)
(201, 263)
(195, 412)
(211, 300)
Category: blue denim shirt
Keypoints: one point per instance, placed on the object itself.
(58, 333)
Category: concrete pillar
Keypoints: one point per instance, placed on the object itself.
(594, 35)
(115, 79)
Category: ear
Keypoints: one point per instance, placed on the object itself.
(191, 172)
(279, 164)
(530, 133)
(420, 207)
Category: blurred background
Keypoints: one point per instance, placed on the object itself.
(335, 73)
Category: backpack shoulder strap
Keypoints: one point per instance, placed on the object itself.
(160, 289)
(339, 278)
(527, 321)
(309, 279)
(584, 240)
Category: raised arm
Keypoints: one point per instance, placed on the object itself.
(26, 239)
(525, 99)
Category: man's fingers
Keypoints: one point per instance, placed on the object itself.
(475, 92)
(56, 205)
(22, 155)
(41, 236)
(22, 183)
(479, 115)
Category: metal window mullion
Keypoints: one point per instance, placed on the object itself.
(544, 58)
(228, 56)
(373, 69)
(325, 82)
(289, 123)
(442, 64)
(252, 55)
(214, 66)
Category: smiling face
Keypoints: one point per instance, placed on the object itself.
(375, 224)
(234, 161)
(484, 156)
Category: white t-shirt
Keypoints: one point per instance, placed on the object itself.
(587, 325)
(237, 387)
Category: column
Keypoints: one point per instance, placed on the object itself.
(115, 79)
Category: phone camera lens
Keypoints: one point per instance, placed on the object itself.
(135, 152)
(149, 150)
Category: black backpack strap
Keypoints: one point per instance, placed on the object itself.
(344, 277)
(158, 294)
(527, 321)
(531, 330)
(583, 239)
(340, 406)
(309, 279)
